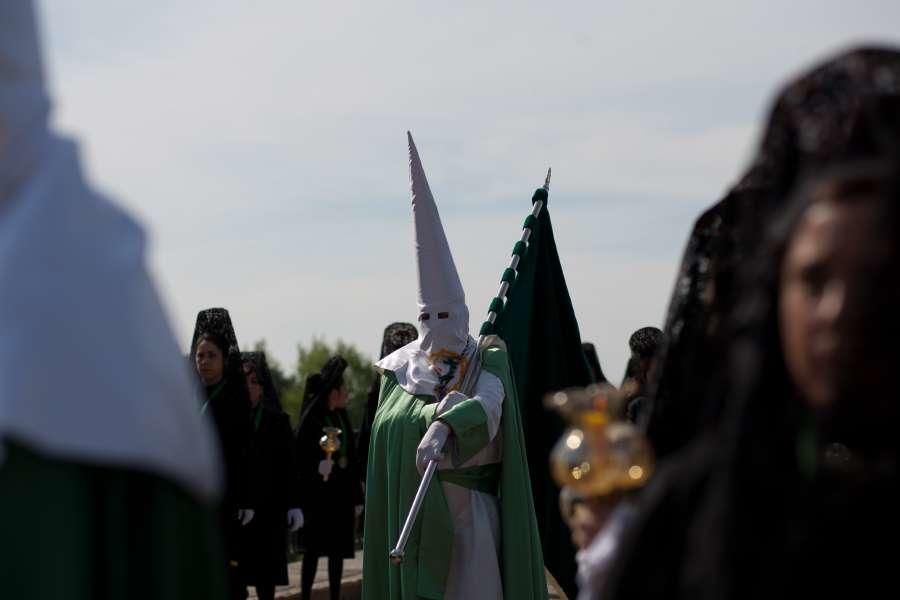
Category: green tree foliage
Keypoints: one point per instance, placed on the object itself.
(310, 359)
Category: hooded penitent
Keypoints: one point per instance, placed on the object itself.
(89, 369)
(476, 535)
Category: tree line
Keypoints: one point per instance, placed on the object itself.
(310, 359)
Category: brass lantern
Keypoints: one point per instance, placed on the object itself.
(599, 453)
(330, 443)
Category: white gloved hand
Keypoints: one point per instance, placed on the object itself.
(358, 509)
(450, 400)
(432, 445)
(325, 466)
(294, 519)
(245, 515)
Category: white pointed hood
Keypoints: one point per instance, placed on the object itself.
(89, 368)
(443, 315)
(438, 280)
(443, 319)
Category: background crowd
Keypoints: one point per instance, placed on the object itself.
(281, 481)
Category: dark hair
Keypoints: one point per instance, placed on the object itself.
(260, 365)
(319, 386)
(336, 384)
(313, 387)
(215, 340)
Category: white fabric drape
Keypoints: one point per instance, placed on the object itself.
(89, 368)
(475, 559)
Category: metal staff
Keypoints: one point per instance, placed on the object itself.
(471, 377)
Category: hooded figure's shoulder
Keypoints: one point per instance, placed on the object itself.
(398, 359)
(409, 368)
(493, 348)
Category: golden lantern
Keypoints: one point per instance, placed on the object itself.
(330, 443)
(598, 454)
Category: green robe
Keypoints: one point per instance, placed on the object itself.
(392, 481)
(74, 531)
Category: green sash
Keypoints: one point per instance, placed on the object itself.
(479, 478)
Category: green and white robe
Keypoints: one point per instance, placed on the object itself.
(476, 536)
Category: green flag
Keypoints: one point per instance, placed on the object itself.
(539, 327)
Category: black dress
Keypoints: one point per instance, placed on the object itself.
(328, 506)
(226, 403)
(272, 492)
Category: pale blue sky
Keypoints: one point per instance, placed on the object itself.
(263, 143)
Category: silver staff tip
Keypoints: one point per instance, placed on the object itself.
(397, 556)
(547, 181)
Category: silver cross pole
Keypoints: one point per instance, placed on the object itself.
(469, 381)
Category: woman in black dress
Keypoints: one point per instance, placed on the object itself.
(271, 484)
(332, 486)
(217, 362)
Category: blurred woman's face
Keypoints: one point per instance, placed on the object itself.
(338, 398)
(210, 362)
(828, 287)
(253, 386)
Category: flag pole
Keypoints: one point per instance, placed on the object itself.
(471, 377)
(516, 257)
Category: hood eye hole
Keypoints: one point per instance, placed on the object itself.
(443, 315)
(424, 317)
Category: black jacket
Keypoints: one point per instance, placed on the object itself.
(272, 490)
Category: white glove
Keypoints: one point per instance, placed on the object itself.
(325, 467)
(432, 445)
(295, 519)
(358, 509)
(450, 400)
(245, 515)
